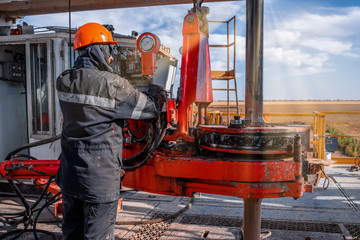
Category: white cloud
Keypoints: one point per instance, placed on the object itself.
(328, 45)
(284, 38)
(297, 60)
(306, 42)
(341, 24)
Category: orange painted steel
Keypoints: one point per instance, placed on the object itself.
(195, 82)
(148, 59)
(185, 175)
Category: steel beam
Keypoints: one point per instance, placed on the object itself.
(13, 9)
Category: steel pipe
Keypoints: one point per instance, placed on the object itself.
(254, 62)
(252, 219)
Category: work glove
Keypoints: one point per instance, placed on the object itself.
(157, 94)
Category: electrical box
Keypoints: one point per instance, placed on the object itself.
(12, 71)
(331, 144)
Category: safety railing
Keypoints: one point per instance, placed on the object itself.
(319, 129)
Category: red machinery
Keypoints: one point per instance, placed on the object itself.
(249, 159)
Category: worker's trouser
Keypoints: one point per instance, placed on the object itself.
(84, 220)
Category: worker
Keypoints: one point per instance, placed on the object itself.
(95, 103)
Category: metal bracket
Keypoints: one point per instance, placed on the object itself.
(197, 4)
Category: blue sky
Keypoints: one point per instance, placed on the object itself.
(311, 48)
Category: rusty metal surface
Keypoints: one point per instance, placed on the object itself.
(146, 179)
(152, 231)
(252, 219)
(269, 139)
(226, 169)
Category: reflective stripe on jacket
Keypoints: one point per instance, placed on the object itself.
(94, 104)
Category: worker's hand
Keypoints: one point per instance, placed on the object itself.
(158, 94)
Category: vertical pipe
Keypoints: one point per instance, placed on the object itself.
(322, 136)
(315, 135)
(252, 218)
(235, 84)
(39, 80)
(254, 61)
(70, 35)
(228, 69)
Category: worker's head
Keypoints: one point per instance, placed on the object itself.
(94, 44)
(91, 33)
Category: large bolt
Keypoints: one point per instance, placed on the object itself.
(190, 19)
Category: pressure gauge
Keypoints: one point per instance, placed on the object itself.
(147, 43)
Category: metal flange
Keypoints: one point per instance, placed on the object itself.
(269, 139)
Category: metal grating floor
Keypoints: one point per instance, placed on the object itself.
(265, 224)
(152, 231)
(354, 231)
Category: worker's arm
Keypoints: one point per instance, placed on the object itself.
(133, 104)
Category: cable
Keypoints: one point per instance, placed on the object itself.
(265, 234)
(133, 136)
(27, 230)
(29, 211)
(144, 151)
(159, 135)
(30, 145)
(48, 203)
(157, 220)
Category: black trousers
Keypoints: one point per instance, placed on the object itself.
(84, 220)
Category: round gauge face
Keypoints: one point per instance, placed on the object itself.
(147, 43)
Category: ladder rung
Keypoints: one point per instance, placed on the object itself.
(223, 89)
(220, 45)
(223, 75)
(224, 78)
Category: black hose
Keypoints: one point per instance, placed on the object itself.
(18, 231)
(22, 199)
(48, 203)
(144, 151)
(159, 136)
(147, 156)
(23, 156)
(133, 137)
(22, 232)
(29, 211)
(34, 144)
(157, 220)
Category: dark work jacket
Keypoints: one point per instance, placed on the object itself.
(94, 104)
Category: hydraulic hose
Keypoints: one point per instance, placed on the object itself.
(35, 144)
(159, 135)
(29, 211)
(145, 150)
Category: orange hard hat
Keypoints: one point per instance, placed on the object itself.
(90, 33)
